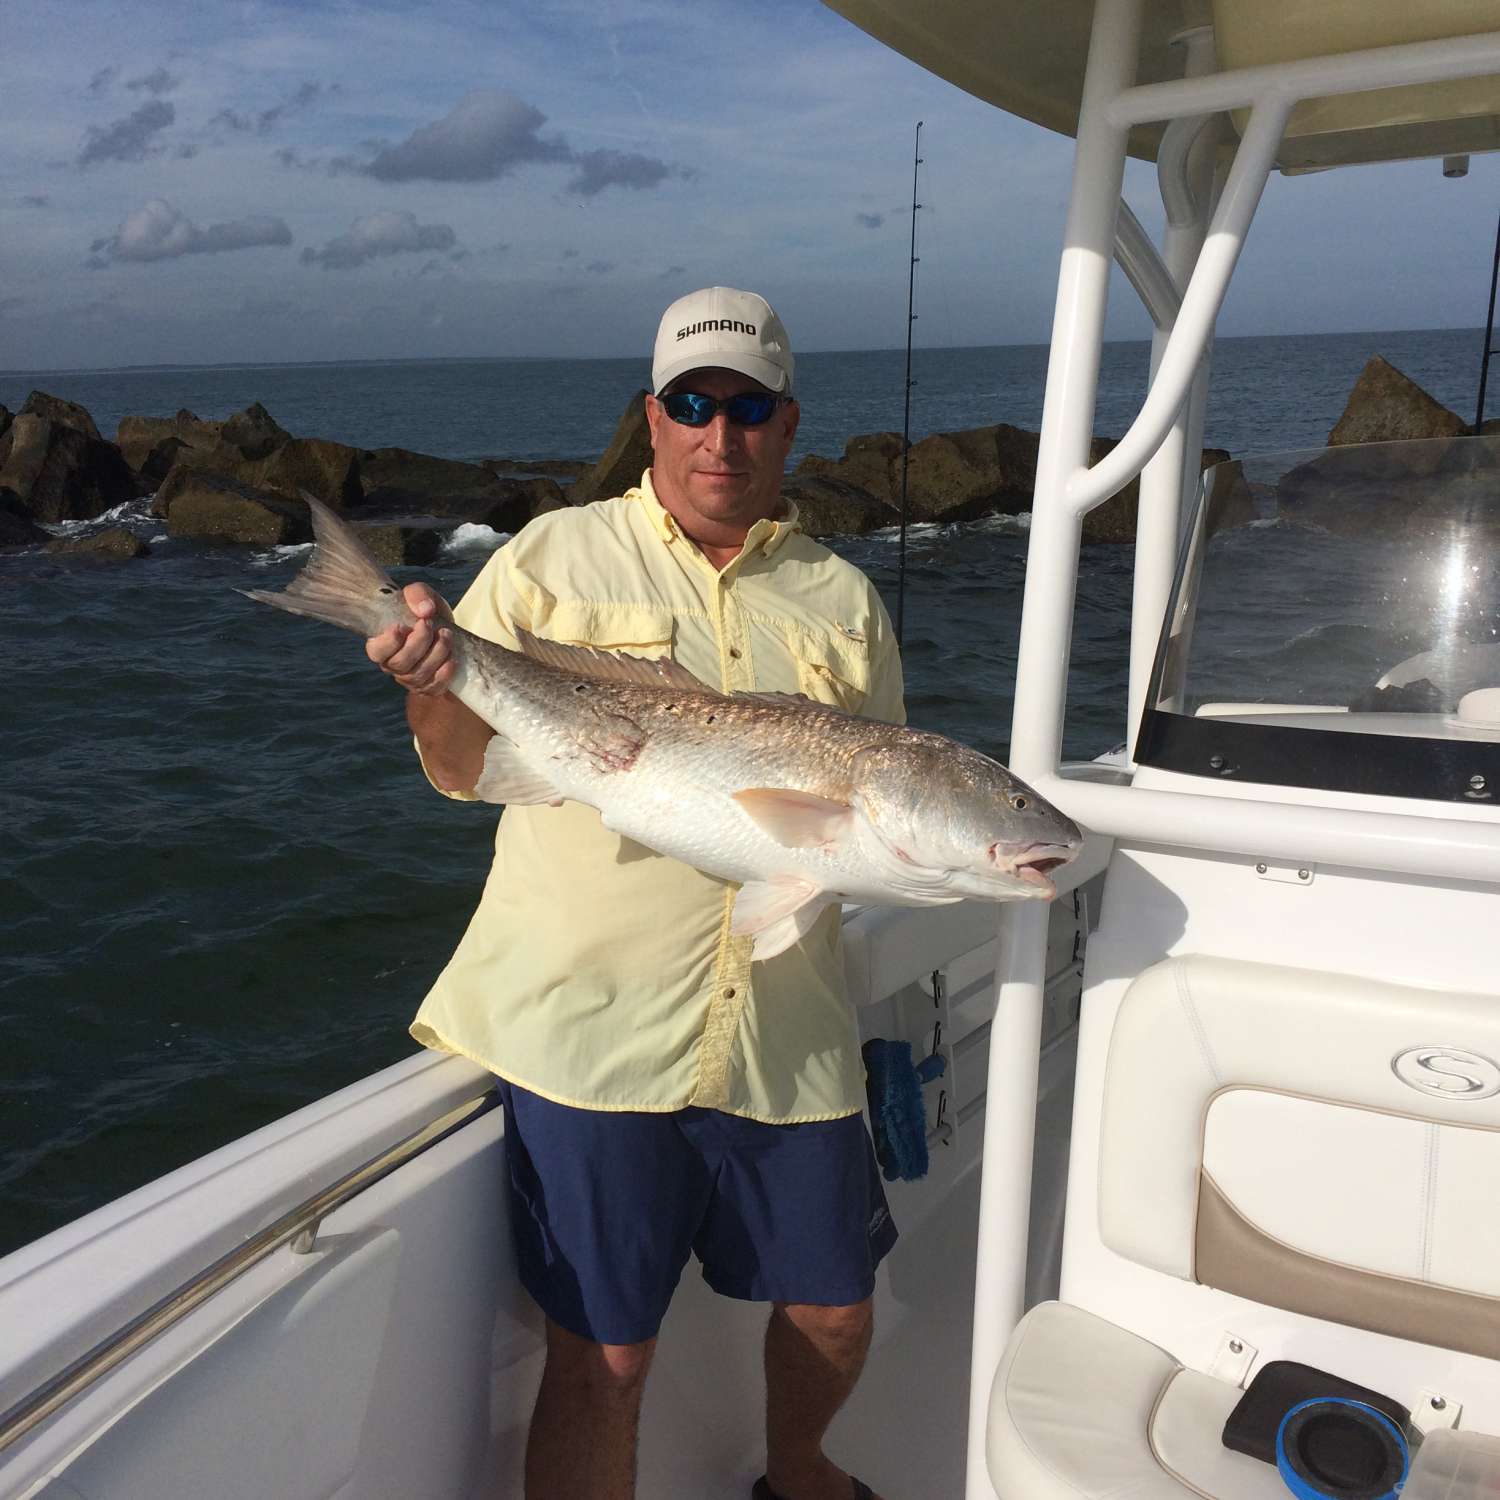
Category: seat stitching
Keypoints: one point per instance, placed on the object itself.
(1429, 1201)
(1195, 1024)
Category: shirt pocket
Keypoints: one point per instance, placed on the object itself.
(636, 629)
(833, 669)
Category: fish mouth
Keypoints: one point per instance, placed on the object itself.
(1035, 866)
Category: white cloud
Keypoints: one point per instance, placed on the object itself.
(130, 139)
(263, 120)
(157, 81)
(389, 232)
(485, 136)
(488, 135)
(598, 170)
(786, 157)
(157, 231)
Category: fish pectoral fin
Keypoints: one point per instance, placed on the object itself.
(781, 935)
(797, 820)
(507, 778)
(776, 912)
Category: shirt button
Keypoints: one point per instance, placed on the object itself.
(734, 651)
(729, 993)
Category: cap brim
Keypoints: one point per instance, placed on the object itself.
(756, 366)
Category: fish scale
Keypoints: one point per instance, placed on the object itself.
(800, 804)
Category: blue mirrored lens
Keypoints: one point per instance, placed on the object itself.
(750, 409)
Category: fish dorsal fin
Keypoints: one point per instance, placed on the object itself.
(784, 700)
(799, 700)
(610, 666)
(796, 820)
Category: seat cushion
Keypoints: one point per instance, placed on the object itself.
(1080, 1407)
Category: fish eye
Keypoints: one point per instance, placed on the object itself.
(1019, 801)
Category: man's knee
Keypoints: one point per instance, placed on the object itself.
(582, 1363)
(841, 1324)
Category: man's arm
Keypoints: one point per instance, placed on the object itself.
(420, 657)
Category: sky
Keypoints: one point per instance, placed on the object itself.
(280, 180)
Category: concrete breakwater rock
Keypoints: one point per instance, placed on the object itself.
(238, 480)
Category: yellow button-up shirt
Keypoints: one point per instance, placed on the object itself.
(594, 971)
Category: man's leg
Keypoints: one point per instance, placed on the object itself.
(583, 1431)
(813, 1359)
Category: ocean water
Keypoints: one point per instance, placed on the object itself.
(224, 885)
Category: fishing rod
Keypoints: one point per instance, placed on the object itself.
(1489, 333)
(911, 317)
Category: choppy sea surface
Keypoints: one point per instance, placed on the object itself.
(224, 885)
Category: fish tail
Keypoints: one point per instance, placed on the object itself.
(341, 582)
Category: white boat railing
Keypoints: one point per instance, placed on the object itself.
(297, 1228)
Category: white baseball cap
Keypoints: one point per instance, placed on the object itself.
(719, 328)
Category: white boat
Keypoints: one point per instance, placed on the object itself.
(1233, 1099)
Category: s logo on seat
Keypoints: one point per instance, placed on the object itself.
(1447, 1073)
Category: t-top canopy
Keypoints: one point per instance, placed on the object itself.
(1028, 57)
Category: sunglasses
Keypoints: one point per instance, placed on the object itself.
(750, 409)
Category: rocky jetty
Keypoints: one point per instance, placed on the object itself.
(1411, 490)
(240, 479)
(1386, 406)
(113, 544)
(829, 506)
(55, 462)
(399, 546)
(627, 457)
(17, 529)
(210, 507)
(951, 477)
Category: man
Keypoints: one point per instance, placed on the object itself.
(662, 1095)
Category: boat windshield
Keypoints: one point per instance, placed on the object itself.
(1334, 593)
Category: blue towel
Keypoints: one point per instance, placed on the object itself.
(898, 1116)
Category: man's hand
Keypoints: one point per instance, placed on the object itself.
(420, 656)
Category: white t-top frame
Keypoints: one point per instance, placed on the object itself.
(1183, 288)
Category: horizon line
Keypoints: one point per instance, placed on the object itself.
(475, 359)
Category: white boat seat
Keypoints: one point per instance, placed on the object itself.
(1081, 1408)
(1313, 1142)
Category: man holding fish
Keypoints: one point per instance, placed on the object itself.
(653, 970)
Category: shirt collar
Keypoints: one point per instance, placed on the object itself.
(765, 537)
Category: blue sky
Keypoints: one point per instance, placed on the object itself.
(276, 181)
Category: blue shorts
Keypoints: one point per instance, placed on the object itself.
(606, 1207)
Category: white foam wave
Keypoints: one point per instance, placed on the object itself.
(1016, 525)
(915, 531)
(280, 554)
(116, 515)
(918, 532)
(473, 539)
